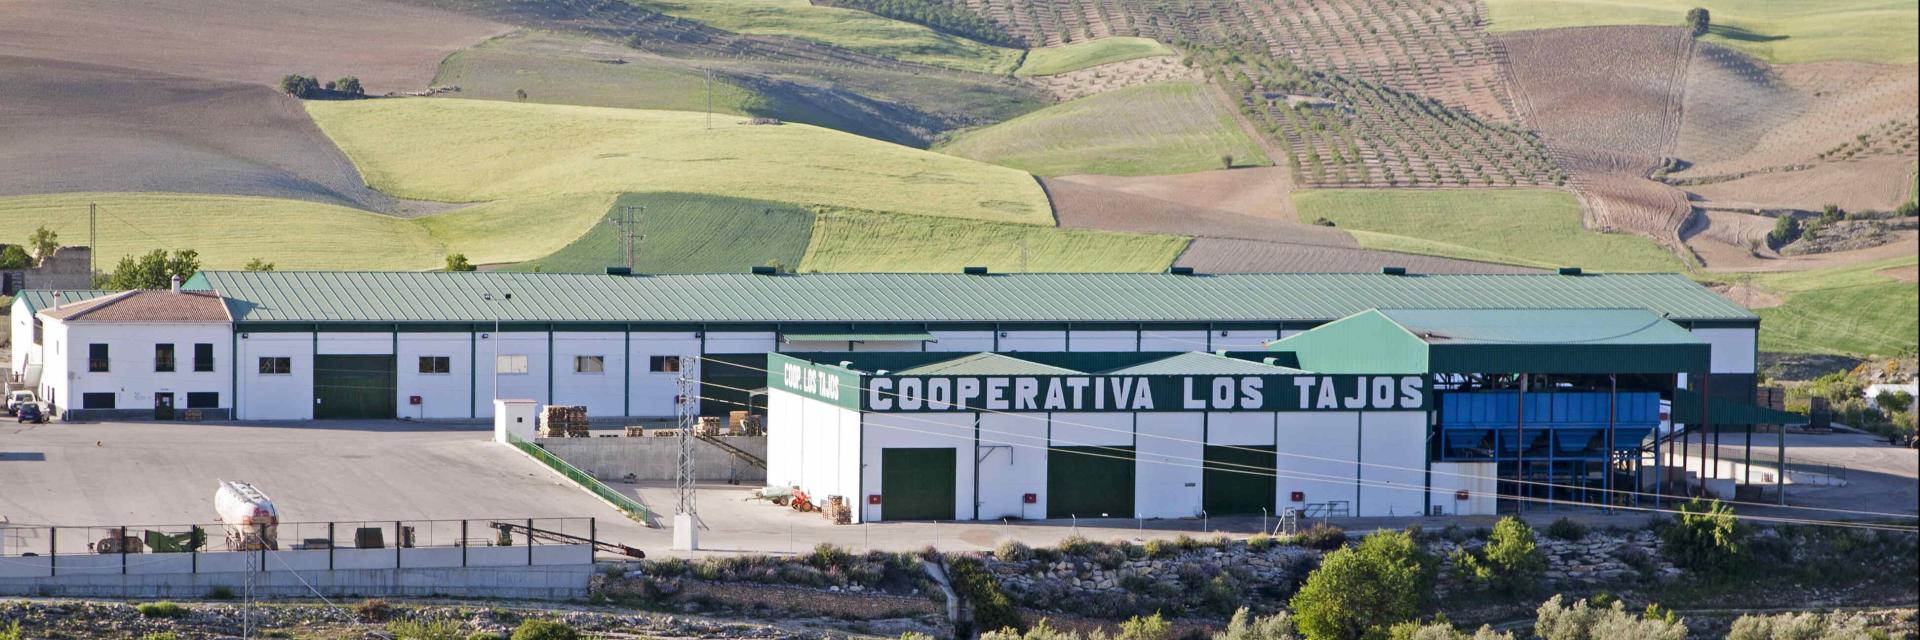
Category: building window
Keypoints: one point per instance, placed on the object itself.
(589, 364)
(39, 328)
(202, 357)
(203, 399)
(663, 364)
(436, 364)
(96, 358)
(510, 364)
(276, 366)
(96, 400)
(163, 357)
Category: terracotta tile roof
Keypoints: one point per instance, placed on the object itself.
(145, 307)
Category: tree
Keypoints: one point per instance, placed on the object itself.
(1226, 161)
(1786, 229)
(1832, 213)
(1583, 621)
(257, 264)
(299, 86)
(458, 262)
(14, 257)
(44, 242)
(155, 270)
(1510, 563)
(1698, 19)
(1707, 538)
(1892, 402)
(1363, 589)
(350, 86)
(520, 94)
(1244, 626)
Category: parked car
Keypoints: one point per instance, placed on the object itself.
(17, 398)
(30, 412)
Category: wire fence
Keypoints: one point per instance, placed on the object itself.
(146, 540)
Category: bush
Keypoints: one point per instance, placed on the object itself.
(1012, 551)
(1157, 548)
(1078, 546)
(11, 631)
(374, 609)
(1510, 563)
(1698, 20)
(1324, 537)
(1802, 626)
(160, 635)
(424, 629)
(1363, 589)
(1566, 529)
(1442, 630)
(220, 593)
(1223, 594)
(1581, 621)
(1786, 229)
(827, 556)
(992, 610)
(299, 86)
(537, 629)
(1707, 538)
(1243, 626)
(485, 635)
(349, 86)
(1152, 627)
(162, 610)
(1259, 542)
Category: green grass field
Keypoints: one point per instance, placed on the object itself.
(866, 241)
(687, 233)
(1529, 227)
(1155, 129)
(849, 28)
(228, 231)
(481, 150)
(1849, 310)
(1046, 61)
(1778, 31)
(557, 69)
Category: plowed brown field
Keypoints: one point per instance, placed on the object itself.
(390, 47)
(1260, 192)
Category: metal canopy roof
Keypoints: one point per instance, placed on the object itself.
(1539, 326)
(295, 296)
(1202, 364)
(1499, 341)
(38, 299)
(912, 336)
(985, 364)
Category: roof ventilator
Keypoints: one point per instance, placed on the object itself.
(1569, 271)
(766, 271)
(619, 271)
(1394, 271)
(1180, 271)
(974, 271)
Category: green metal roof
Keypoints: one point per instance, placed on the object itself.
(41, 299)
(1539, 326)
(1686, 410)
(1202, 364)
(296, 296)
(1499, 341)
(860, 337)
(986, 364)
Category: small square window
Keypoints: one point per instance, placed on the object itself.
(163, 357)
(436, 364)
(202, 357)
(589, 364)
(203, 399)
(97, 358)
(97, 400)
(663, 364)
(276, 366)
(510, 364)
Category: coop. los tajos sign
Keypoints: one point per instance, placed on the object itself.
(1144, 393)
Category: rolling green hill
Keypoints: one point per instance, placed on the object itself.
(686, 233)
(849, 28)
(845, 240)
(1529, 227)
(1155, 129)
(1779, 31)
(556, 69)
(476, 150)
(1046, 61)
(1848, 309)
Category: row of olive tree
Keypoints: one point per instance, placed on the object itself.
(308, 87)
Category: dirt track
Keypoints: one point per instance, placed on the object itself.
(390, 47)
(67, 127)
(1222, 255)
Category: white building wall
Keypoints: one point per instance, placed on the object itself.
(1316, 455)
(1240, 428)
(20, 338)
(961, 341)
(442, 395)
(653, 391)
(355, 343)
(1476, 478)
(1733, 349)
(1104, 340)
(1243, 339)
(1012, 463)
(741, 342)
(1167, 469)
(1034, 341)
(927, 430)
(1393, 448)
(1092, 429)
(275, 396)
(785, 431)
(602, 393)
(59, 363)
(531, 385)
(1195, 340)
(130, 353)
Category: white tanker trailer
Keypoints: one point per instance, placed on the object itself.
(248, 516)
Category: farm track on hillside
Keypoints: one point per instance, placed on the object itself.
(1607, 102)
(71, 127)
(1226, 255)
(390, 47)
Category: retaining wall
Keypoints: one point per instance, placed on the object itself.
(657, 458)
(549, 572)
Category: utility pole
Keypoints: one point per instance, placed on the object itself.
(686, 512)
(630, 235)
(93, 245)
(708, 75)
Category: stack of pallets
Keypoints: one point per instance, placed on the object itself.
(709, 426)
(636, 432)
(568, 421)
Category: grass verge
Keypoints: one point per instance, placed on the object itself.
(1528, 227)
(1778, 31)
(1849, 310)
(1046, 61)
(1155, 129)
(845, 240)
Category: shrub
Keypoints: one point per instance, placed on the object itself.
(1012, 551)
(1157, 548)
(1324, 537)
(1441, 630)
(1802, 626)
(827, 556)
(162, 610)
(424, 629)
(11, 631)
(537, 629)
(1510, 563)
(375, 609)
(1226, 161)
(1222, 594)
(1363, 589)
(160, 635)
(458, 262)
(220, 593)
(1707, 538)
(1152, 627)
(992, 610)
(349, 86)
(485, 635)
(1698, 20)
(1581, 621)
(1243, 626)
(1259, 542)
(1566, 529)
(1078, 546)
(299, 86)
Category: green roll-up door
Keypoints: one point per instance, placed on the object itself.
(1090, 482)
(917, 484)
(1237, 480)
(358, 386)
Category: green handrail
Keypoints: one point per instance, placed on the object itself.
(593, 485)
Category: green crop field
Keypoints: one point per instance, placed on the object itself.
(516, 229)
(1779, 31)
(852, 29)
(1047, 61)
(228, 231)
(556, 69)
(1530, 227)
(481, 150)
(867, 241)
(1848, 309)
(688, 233)
(1155, 129)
